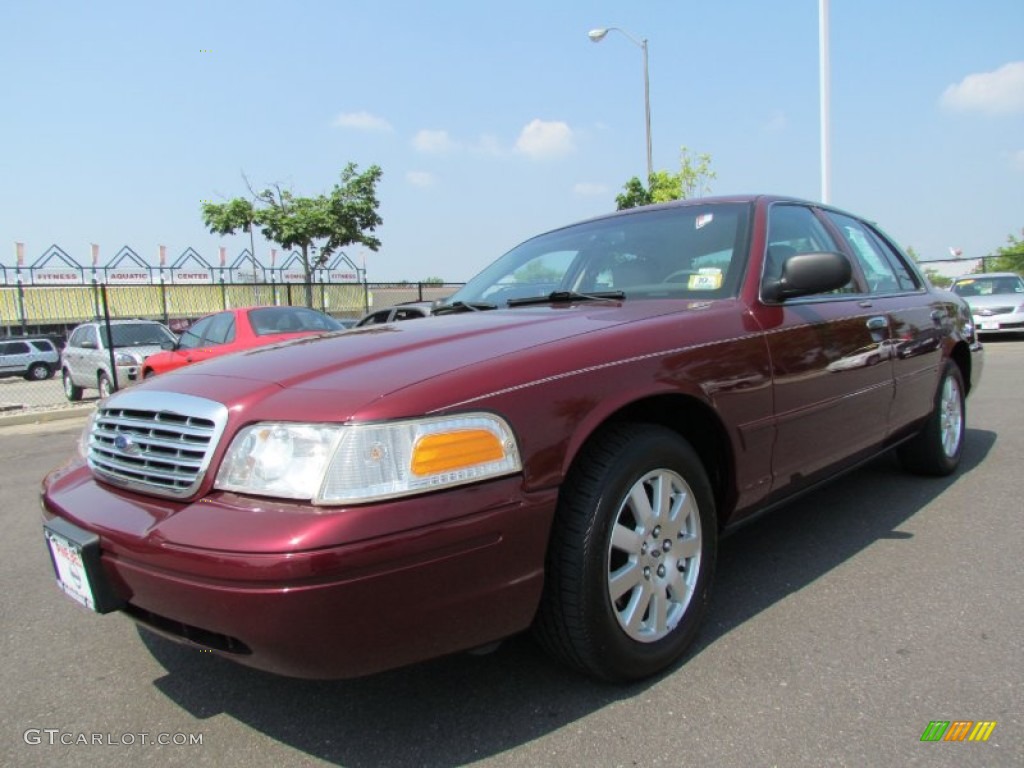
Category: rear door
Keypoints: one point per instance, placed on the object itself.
(78, 353)
(832, 378)
(919, 321)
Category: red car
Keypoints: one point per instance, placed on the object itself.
(236, 329)
(560, 447)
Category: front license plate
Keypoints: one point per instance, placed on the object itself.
(990, 326)
(75, 554)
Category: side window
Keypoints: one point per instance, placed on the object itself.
(792, 230)
(89, 338)
(43, 346)
(878, 272)
(4, 348)
(898, 261)
(221, 328)
(193, 337)
(16, 348)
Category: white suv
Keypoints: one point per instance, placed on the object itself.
(85, 362)
(35, 359)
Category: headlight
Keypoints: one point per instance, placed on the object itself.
(123, 358)
(336, 464)
(85, 439)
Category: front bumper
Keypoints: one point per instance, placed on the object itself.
(1012, 322)
(292, 601)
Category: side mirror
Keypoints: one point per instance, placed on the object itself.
(808, 273)
(168, 345)
(89, 345)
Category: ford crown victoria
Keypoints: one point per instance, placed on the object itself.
(560, 448)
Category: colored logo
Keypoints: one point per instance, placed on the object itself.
(126, 444)
(958, 730)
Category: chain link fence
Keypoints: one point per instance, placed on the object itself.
(35, 321)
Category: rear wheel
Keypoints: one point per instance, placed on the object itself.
(38, 372)
(631, 556)
(936, 449)
(71, 392)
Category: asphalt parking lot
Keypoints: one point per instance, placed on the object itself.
(840, 628)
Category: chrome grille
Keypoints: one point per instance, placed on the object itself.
(989, 311)
(155, 442)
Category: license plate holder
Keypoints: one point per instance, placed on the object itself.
(75, 556)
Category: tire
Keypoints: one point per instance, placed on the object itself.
(104, 386)
(936, 449)
(71, 392)
(627, 583)
(38, 372)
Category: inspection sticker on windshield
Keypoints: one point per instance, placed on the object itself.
(707, 279)
(703, 220)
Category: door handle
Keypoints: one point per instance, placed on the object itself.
(877, 323)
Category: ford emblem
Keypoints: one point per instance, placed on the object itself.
(125, 444)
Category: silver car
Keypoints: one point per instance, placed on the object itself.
(996, 300)
(86, 360)
(35, 359)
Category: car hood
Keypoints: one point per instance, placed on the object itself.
(994, 300)
(334, 376)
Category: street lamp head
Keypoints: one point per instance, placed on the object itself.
(597, 35)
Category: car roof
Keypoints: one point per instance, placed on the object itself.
(983, 275)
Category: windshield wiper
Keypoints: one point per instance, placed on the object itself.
(566, 297)
(463, 306)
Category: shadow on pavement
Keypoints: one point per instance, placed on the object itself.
(465, 708)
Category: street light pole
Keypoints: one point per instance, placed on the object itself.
(823, 97)
(597, 35)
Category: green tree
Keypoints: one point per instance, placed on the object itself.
(692, 180)
(937, 279)
(319, 226)
(1009, 258)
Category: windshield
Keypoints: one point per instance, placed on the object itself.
(989, 286)
(137, 335)
(693, 251)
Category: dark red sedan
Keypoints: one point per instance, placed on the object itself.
(560, 447)
(236, 329)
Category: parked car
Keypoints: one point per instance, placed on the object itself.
(34, 358)
(410, 310)
(996, 300)
(85, 361)
(560, 447)
(236, 329)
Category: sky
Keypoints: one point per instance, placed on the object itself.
(495, 121)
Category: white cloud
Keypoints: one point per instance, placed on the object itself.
(540, 139)
(588, 189)
(998, 92)
(420, 178)
(433, 142)
(363, 121)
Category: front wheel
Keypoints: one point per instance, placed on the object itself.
(104, 386)
(936, 449)
(631, 555)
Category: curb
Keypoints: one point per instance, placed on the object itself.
(42, 417)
